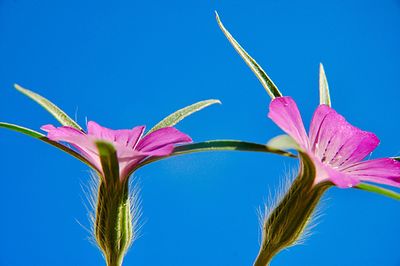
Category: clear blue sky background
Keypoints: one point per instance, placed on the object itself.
(127, 63)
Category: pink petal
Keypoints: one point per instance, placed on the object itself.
(337, 142)
(327, 173)
(125, 137)
(284, 112)
(126, 165)
(163, 151)
(318, 118)
(82, 142)
(70, 135)
(161, 141)
(47, 128)
(383, 171)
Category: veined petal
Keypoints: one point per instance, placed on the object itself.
(327, 173)
(319, 116)
(337, 142)
(159, 142)
(70, 135)
(129, 147)
(284, 112)
(163, 151)
(127, 164)
(82, 142)
(125, 137)
(383, 171)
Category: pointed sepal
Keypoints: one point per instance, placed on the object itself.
(379, 190)
(218, 145)
(324, 96)
(54, 110)
(180, 114)
(40, 136)
(262, 76)
(283, 142)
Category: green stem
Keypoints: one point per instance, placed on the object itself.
(114, 260)
(264, 258)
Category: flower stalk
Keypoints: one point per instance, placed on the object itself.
(113, 227)
(286, 223)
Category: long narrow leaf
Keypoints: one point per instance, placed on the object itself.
(177, 116)
(218, 145)
(59, 114)
(262, 76)
(379, 190)
(40, 136)
(324, 97)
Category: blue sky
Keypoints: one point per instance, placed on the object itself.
(127, 63)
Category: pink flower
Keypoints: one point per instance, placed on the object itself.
(336, 147)
(131, 147)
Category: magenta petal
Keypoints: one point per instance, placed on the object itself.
(319, 117)
(135, 134)
(158, 142)
(130, 148)
(337, 142)
(125, 137)
(66, 134)
(163, 151)
(326, 173)
(383, 171)
(284, 112)
(47, 128)
(82, 142)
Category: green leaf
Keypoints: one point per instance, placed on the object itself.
(262, 76)
(217, 145)
(179, 115)
(324, 97)
(379, 190)
(109, 162)
(40, 136)
(283, 142)
(59, 114)
(396, 158)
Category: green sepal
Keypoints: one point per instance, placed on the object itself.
(283, 142)
(218, 145)
(179, 115)
(109, 162)
(379, 190)
(227, 145)
(40, 136)
(262, 76)
(54, 110)
(324, 96)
